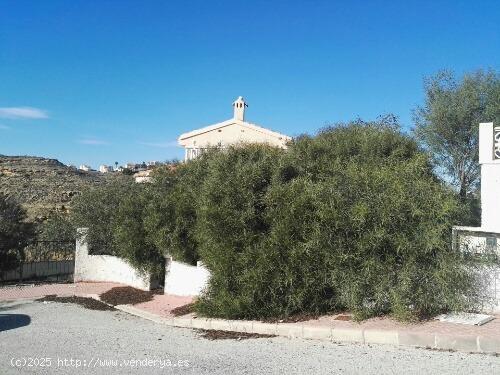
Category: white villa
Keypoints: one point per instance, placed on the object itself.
(229, 132)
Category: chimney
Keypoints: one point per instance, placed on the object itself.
(239, 109)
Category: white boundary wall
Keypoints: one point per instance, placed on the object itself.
(476, 241)
(486, 238)
(185, 280)
(107, 268)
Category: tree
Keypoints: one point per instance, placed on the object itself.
(447, 123)
(15, 232)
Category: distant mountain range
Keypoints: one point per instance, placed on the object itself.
(44, 185)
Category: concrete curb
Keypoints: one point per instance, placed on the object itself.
(401, 338)
(437, 341)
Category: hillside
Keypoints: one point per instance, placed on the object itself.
(44, 185)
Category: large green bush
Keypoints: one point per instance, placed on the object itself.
(172, 210)
(353, 218)
(130, 239)
(232, 225)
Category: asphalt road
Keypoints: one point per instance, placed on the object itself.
(68, 339)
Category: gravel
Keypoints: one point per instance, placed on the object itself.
(109, 340)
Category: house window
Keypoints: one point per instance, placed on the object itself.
(192, 153)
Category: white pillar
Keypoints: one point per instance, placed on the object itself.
(489, 158)
(81, 254)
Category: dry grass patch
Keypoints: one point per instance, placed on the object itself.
(183, 310)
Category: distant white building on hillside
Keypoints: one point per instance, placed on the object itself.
(105, 169)
(85, 167)
(229, 132)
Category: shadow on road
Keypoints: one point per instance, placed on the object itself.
(13, 321)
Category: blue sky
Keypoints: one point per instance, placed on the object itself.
(103, 81)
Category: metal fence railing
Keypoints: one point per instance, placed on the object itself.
(43, 261)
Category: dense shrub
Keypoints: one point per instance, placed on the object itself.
(232, 225)
(129, 235)
(96, 209)
(15, 233)
(172, 210)
(353, 218)
(114, 215)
